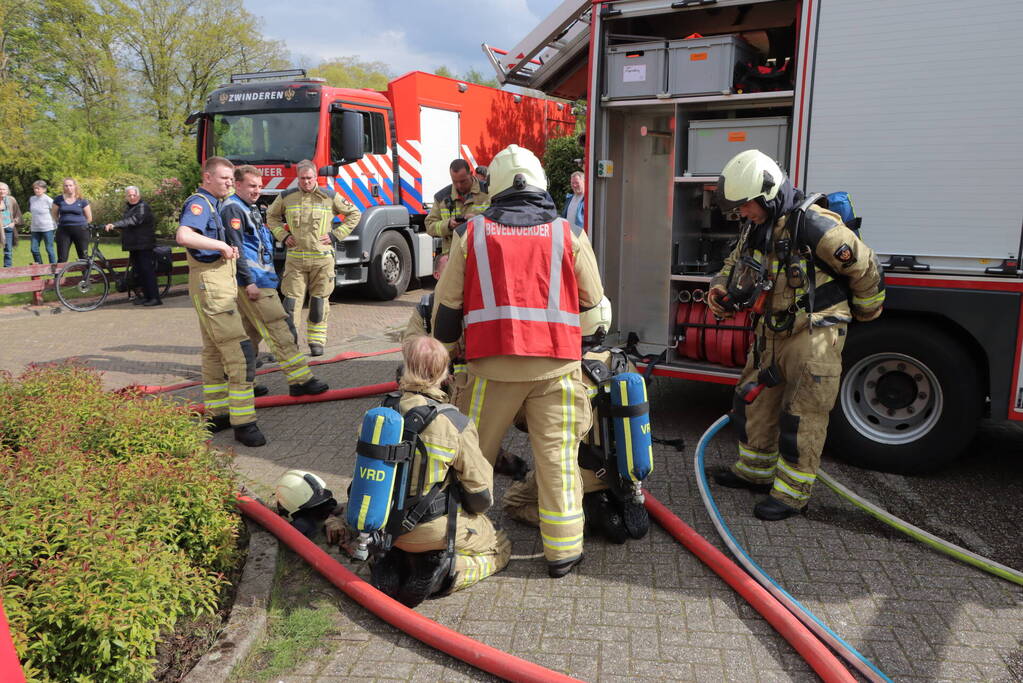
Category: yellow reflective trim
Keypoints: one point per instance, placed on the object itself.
(363, 511)
(867, 301)
(796, 474)
(789, 491)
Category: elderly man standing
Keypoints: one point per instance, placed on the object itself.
(10, 218)
(454, 205)
(301, 218)
(138, 238)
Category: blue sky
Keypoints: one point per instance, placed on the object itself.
(405, 34)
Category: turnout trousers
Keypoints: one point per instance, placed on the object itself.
(228, 358)
(558, 413)
(266, 319)
(311, 272)
(480, 549)
(781, 434)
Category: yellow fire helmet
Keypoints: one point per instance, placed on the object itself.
(299, 490)
(516, 168)
(747, 176)
(594, 319)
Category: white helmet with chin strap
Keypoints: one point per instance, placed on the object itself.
(596, 319)
(749, 175)
(516, 168)
(299, 490)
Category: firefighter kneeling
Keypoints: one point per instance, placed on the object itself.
(420, 488)
(616, 454)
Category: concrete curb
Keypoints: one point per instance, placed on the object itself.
(247, 622)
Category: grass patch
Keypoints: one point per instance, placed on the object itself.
(298, 620)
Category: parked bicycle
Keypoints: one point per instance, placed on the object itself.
(84, 285)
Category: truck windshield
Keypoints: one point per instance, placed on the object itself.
(265, 137)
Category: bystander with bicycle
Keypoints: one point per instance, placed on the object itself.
(10, 219)
(138, 238)
(72, 214)
(42, 226)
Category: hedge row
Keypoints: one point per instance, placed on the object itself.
(117, 519)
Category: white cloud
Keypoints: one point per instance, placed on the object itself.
(405, 34)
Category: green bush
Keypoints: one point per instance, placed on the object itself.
(559, 162)
(117, 520)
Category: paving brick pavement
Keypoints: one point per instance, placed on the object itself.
(648, 610)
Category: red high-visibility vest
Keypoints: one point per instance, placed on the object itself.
(521, 294)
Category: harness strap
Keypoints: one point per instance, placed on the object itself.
(399, 452)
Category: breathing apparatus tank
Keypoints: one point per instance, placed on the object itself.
(630, 417)
(380, 473)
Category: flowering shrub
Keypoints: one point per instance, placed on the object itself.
(117, 520)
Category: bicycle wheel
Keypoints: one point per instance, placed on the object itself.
(82, 286)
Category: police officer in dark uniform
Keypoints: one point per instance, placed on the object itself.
(228, 358)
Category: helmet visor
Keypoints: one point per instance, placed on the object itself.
(724, 203)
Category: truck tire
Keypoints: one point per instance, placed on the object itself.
(910, 398)
(390, 268)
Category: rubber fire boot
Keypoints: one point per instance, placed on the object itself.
(387, 573)
(603, 516)
(218, 423)
(731, 480)
(556, 570)
(427, 572)
(316, 349)
(249, 435)
(637, 519)
(260, 390)
(771, 509)
(310, 387)
(515, 466)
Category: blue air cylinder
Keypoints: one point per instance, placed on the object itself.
(373, 480)
(631, 418)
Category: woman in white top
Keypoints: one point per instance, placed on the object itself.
(42, 226)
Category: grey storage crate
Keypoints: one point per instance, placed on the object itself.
(706, 66)
(636, 70)
(712, 143)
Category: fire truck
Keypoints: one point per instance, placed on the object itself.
(387, 152)
(913, 109)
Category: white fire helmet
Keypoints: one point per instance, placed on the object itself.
(748, 175)
(595, 318)
(516, 168)
(299, 490)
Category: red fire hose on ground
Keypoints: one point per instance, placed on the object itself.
(479, 655)
(809, 647)
(10, 667)
(347, 355)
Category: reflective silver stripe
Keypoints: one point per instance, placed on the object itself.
(491, 311)
(557, 253)
(540, 315)
(479, 245)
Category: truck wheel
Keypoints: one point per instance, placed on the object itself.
(910, 398)
(390, 268)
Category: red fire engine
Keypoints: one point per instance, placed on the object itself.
(388, 152)
(865, 97)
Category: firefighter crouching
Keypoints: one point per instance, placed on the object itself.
(518, 274)
(301, 218)
(228, 358)
(614, 516)
(807, 276)
(453, 205)
(442, 540)
(257, 283)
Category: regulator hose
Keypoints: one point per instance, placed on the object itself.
(819, 657)
(346, 355)
(435, 635)
(861, 663)
(939, 544)
(10, 666)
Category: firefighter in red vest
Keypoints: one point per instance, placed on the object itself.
(518, 277)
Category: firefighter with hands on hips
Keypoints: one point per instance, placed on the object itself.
(453, 205)
(614, 519)
(519, 276)
(805, 276)
(453, 544)
(228, 358)
(261, 308)
(301, 219)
